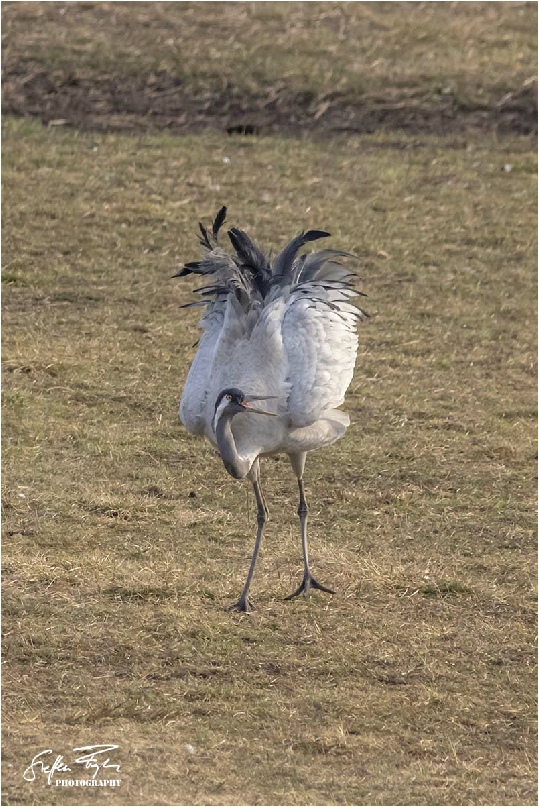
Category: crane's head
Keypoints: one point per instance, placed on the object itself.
(232, 401)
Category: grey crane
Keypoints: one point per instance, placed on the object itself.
(281, 332)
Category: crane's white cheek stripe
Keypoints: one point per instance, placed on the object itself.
(218, 412)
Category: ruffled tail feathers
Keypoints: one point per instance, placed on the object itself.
(249, 276)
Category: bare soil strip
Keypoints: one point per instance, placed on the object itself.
(160, 101)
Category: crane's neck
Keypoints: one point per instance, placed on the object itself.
(235, 465)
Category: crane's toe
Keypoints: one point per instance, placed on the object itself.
(307, 584)
(243, 605)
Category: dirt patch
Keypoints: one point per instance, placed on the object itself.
(160, 101)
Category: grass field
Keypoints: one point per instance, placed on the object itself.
(125, 540)
(280, 67)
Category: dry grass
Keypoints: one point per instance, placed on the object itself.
(294, 66)
(477, 50)
(413, 684)
(124, 539)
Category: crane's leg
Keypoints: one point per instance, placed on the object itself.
(243, 604)
(298, 464)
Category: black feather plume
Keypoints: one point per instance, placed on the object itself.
(205, 241)
(284, 260)
(219, 221)
(247, 251)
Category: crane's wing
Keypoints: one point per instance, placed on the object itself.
(287, 329)
(195, 391)
(234, 294)
(223, 276)
(319, 336)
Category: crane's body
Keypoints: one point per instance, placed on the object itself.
(284, 333)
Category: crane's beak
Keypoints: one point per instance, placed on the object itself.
(247, 404)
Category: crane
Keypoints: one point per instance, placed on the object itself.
(283, 333)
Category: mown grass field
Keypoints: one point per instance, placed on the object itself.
(124, 538)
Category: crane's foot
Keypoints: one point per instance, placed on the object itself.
(308, 583)
(243, 605)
